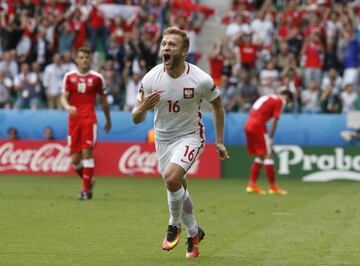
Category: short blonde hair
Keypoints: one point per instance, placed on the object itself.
(182, 34)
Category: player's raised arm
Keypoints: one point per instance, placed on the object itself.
(218, 113)
(105, 107)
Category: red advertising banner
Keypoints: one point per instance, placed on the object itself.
(111, 159)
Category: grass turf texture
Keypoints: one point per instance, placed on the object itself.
(42, 223)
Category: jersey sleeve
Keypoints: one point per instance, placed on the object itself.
(209, 89)
(101, 89)
(145, 86)
(65, 84)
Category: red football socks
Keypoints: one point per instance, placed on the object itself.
(254, 172)
(86, 178)
(270, 172)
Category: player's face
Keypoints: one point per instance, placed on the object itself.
(172, 51)
(83, 61)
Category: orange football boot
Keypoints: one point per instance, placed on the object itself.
(254, 188)
(171, 238)
(193, 244)
(275, 190)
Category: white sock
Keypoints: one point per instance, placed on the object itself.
(188, 217)
(175, 202)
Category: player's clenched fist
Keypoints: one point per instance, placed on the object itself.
(221, 151)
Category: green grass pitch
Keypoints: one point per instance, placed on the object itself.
(42, 223)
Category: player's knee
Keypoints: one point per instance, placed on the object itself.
(173, 182)
(76, 160)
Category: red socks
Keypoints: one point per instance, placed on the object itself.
(254, 171)
(270, 171)
(87, 177)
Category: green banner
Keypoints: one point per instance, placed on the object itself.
(307, 163)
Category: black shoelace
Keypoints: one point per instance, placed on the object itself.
(190, 244)
(171, 233)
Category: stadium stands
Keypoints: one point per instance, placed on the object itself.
(310, 47)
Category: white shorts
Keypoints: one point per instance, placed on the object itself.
(182, 152)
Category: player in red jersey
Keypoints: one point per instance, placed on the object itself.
(78, 98)
(259, 142)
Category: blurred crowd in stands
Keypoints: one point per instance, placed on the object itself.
(310, 47)
(39, 38)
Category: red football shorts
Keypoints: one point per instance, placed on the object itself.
(258, 143)
(82, 135)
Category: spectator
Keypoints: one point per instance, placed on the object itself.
(221, 57)
(287, 82)
(66, 38)
(97, 28)
(333, 79)
(348, 98)
(350, 58)
(39, 86)
(228, 92)
(330, 102)
(115, 95)
(24, 84)
(5, 90)
(12, 133)
(268, 79)
(310, 98)
(48, 133)
(311, 52)
(148, 50)
(249, 92)
(132, 85)
(53, 76)
(263, 28)
(9, 64)
(246, 52)
(284, 57)
(67, 62)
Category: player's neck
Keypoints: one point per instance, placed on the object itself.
(177, 71)
(83, 70)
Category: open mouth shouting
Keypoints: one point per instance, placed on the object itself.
(166, 58)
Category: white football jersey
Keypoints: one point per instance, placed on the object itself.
(178, 112)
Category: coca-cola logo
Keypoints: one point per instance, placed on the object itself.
(134, 160)
(51, 157)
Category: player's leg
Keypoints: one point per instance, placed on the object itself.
(256, 146)
(194, 232)
(74, 142)
(77, 164)
(88, 172)
(172, 236)
(187, 216)
(270, 170)
(185, 154)
(88, 140)
(175, 195)
(255, 170)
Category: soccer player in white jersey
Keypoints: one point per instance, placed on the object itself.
(175, 89)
